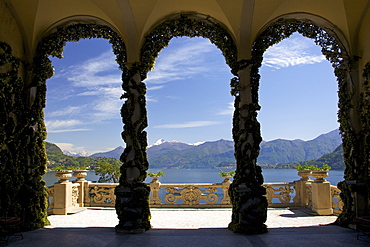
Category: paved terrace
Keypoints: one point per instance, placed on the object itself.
(190, 227)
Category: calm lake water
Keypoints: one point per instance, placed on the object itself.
(210, 176)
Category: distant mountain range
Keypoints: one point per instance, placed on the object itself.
(278, 153)
(284, 151)
(221, 153)
(115, 153)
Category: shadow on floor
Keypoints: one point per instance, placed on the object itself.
(328, 235)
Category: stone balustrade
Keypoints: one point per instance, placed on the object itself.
(318, 195)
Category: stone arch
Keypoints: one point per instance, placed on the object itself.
(53, 44)
(336, 50)
(132, 193)
(190, 25)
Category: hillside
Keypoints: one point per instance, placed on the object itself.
(285, 151)
(180, 155)
(334, 159)
(115, 153)
(56, 157)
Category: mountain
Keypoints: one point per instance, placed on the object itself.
(174, 154)
(52, 148)
(76, 154)
(181, 155)
(285, 151)
(334, 159)
(56, 157)
(219, 153)
(115, 153)
(162, 147)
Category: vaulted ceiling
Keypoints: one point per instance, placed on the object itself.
(244, 19)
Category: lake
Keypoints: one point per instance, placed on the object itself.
(210, 176)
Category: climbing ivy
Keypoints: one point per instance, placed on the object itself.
(28, 123)
(337, 56)
(190, 25)
(133, 212)
(132, 194)
(364, 169)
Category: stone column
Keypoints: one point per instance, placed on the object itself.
(80, 175)
(301, 197)
(246, 192)
(225, 188)
(132, 202)
(321, 198)
(65, 197)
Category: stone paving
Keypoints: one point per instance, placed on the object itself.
(188, 218)
(190, 228)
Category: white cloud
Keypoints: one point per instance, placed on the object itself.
(58, 126)
(154, 88)
(70, 147)
(192, 124)
(229, 111)
(70, 110)
(184, 62)
(67, 130)
(101, 70)
(291, 52)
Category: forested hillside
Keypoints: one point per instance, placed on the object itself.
(334, 159)
(57, 158)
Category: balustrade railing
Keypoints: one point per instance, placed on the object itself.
(300, 193)
(337, 203)
(280, 194)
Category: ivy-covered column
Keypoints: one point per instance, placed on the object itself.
(132, 203)
(249, 211)
(356, 146)
(365, 120)
(22, 151)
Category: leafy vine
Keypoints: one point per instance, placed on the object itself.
(282, 29)
(34, 139)
(190, 25)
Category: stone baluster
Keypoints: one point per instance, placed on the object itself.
(321, 195)
(155, 187)
(301, 198)
(225, 188)
(65, 194)
(80, 175)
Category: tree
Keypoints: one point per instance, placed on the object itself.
(108, 172)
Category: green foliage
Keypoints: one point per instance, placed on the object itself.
(152, 173)
(334, 159)
(22, 153)
(22, 130)
(324, 167)
(56, 158)
(108, 172)
(225, 173)
(340, 60)
(302, 167)
(59, 168)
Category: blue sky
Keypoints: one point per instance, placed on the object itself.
(188, 97)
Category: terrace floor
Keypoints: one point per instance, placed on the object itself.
(190, 227)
